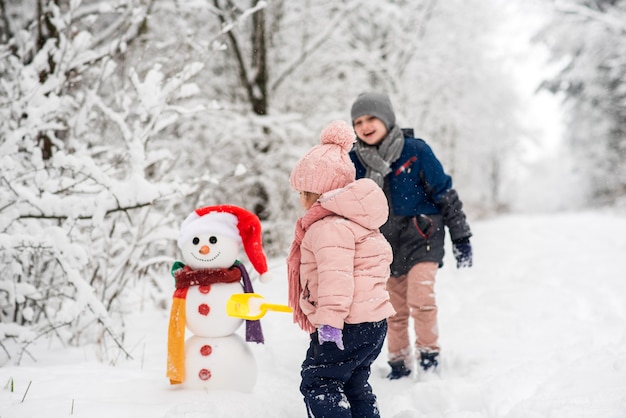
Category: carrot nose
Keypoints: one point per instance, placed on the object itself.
(204, 250)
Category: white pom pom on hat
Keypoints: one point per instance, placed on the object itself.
(326, 166)
(231, 221)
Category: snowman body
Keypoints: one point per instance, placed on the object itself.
(205, 310)
(216, 358)
(220, 363)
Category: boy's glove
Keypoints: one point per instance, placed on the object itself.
(462, 250)
(332, 334)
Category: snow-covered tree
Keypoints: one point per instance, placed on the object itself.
(83, 204)
(588, 40)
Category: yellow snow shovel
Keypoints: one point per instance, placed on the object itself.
(251, 306)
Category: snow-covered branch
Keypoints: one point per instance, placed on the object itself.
(611, 21)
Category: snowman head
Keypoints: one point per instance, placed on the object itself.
(208, 251)
(211, 237)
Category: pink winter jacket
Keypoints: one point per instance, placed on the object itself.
(345, 259)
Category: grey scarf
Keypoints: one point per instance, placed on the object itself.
(377, 159)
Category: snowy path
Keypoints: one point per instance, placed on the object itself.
(536, 328)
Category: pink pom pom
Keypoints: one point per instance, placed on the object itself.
(339, 133)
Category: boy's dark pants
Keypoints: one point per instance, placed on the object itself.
(335, 382)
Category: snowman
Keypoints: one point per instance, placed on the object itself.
(214, 357)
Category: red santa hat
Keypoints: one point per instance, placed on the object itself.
(231, 221)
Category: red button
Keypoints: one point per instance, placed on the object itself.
(206, 350)
(204, 289)
(204, 309)
(204, 374)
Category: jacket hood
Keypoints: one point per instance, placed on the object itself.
(361, 201)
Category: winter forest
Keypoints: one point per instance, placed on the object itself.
(118, 118)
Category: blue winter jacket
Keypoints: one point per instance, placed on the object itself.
(422, 201)
(417, 180)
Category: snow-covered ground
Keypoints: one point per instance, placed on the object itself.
(537, 328)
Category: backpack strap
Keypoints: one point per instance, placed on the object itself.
(408, 132)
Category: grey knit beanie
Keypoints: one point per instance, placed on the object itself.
(374, 104)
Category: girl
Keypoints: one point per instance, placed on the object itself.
(338, 269)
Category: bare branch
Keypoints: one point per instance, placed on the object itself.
(332, 26)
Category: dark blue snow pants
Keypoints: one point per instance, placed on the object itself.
(335, 382)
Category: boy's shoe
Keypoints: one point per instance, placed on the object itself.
(398, 370)
(428, 360)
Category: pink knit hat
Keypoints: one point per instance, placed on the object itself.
(326, 166)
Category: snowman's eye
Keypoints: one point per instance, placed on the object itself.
(212, 240)
(196, 240)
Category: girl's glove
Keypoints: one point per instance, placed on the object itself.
(462, 250)
(329, 333)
